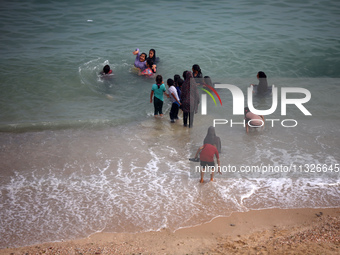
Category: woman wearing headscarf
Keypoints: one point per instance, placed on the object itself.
(212, 139)
(189, 99)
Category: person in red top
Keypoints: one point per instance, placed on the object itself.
(207, 152)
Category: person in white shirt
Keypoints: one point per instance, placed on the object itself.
(174, 99)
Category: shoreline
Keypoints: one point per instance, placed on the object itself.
(266, 231)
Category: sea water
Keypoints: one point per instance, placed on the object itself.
(82, 154)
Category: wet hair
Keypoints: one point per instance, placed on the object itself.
(197, 68)
(154, 54)
(197, 74)
(106, 69)
(262, 74)
(159, 80)
(149, 62)
(170, 82)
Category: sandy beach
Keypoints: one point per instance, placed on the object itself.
(270, 231)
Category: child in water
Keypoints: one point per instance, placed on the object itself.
(149, 70)
(106, 70)
(140, 61)
(141, 58)
(157, 92)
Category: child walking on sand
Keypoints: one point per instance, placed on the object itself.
(157, 92)
(174, 99)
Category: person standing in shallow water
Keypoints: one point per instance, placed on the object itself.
(157, 92)
(189, 99)
(262, 87)
(174, 100)
(196, 71)
(207, 153)
(178, 84)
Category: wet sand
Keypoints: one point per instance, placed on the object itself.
(270, 231)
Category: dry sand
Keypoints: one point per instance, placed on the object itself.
(270, 231)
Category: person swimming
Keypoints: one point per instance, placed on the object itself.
(106, 70)
(140, 61)
(150, 70)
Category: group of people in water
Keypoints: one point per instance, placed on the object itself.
(146, 65)
(184, 95)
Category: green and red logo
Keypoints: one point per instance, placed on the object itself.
(204, 98)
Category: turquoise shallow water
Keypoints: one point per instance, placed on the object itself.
(74, 161)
